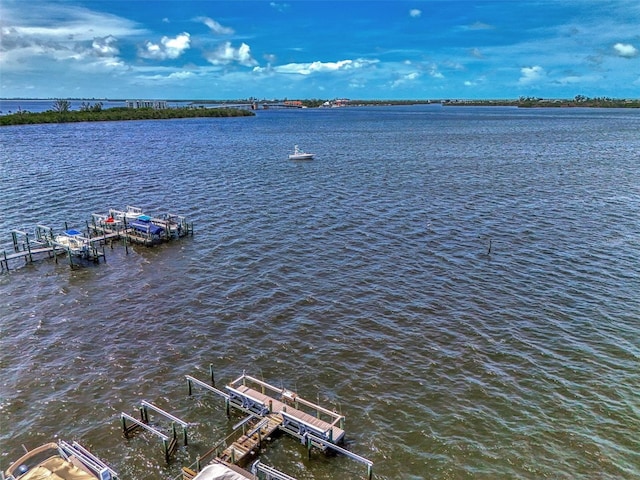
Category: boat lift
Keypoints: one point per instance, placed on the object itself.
(170, 444)
(268, 410)
(272, 408)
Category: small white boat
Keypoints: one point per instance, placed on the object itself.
(59, 461)
(300, 155)
(73, 241)
(130, 214)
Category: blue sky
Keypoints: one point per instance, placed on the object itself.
(429, 49)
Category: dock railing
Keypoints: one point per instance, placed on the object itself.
(269, 472)
(291, 398)
(310, 439)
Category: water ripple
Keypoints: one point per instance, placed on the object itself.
(462, 284)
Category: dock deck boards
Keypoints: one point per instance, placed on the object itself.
(278, 406)
(245, 446)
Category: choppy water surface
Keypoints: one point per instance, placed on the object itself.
(461, 283)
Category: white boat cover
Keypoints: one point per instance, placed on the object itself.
(218, 471)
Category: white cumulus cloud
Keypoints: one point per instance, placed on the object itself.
(226, 54)
(531, 74)
(432, 69)
(409, 77)
(215, 26)
(415, 13)
(181, 75)
(105, 47)
(167, 48)
(475, 52)
(625, 50)
(319, 67)
(281, 7)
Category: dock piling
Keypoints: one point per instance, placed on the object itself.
(29, 247)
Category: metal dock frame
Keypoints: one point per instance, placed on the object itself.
(270, 472)
(311, 431)
(28, 248)
(86, 457)
(296, 422)
(170, 444)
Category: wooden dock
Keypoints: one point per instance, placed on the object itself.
(136, 227)
(270, 410)
(249, 443)
(292, 420)
(102, 230)
(29, 247)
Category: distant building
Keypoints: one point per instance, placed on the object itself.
(338, 102)
(155, 104)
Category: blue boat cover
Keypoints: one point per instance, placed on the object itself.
(146, 226)
(73, 232)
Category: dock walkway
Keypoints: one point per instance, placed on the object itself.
(44, 242)
(246, 446)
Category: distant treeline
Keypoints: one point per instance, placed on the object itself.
(523, 102)
(97, 114)
(365, 103)
(531, 102)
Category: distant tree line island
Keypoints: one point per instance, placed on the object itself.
(532, 102)
(61, 109)
(524, 102)
(61, 113)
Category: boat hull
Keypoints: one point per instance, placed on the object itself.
(62, 461)
(300, 154)
(303, 156)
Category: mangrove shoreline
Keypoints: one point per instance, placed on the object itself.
(118, 114)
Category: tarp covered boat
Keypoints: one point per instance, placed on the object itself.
(144, 224)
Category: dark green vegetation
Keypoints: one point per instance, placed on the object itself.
(95, 113)
(530, 102)
(61, 109)
(577, 101)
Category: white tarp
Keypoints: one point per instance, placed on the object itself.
(218, 471)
